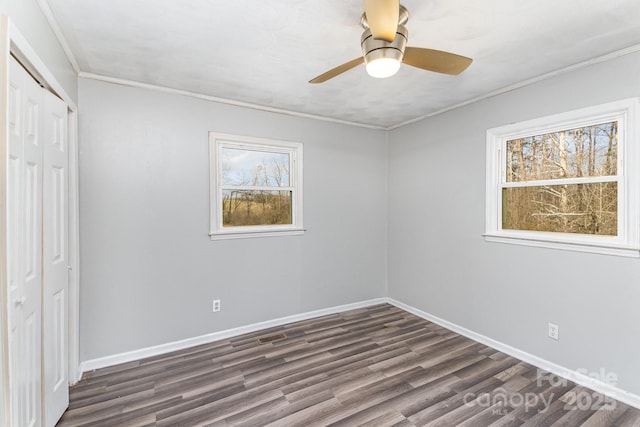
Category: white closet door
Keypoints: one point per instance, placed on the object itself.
(55, 259)
(14, 234)
(25, 247)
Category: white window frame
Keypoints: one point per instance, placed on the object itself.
(218, 141)
(627, 242)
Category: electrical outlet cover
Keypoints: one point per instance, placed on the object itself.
(554, 331)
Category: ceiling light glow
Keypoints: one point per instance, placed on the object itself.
(383, 67)
(383, 58)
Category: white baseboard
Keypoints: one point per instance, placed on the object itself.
(129, 356)
(570, 374)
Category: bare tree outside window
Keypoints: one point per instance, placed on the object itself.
(567, 181)
(563, 181)
(255, 188)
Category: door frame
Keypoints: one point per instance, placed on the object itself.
(13, 42)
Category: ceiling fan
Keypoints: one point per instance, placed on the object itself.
(384, 46)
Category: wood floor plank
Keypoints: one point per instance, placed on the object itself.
(314, 400)
(374, 366)
(628, 419)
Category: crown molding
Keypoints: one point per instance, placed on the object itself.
(609, 56)
(53, 23)
(133, 83)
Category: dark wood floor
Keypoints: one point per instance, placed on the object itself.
(377, 366)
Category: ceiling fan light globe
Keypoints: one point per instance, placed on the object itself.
(383, 67)
(383, 58)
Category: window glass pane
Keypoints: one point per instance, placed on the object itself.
(574, 153)
(249, 167)
(247, 207)
(575, 208)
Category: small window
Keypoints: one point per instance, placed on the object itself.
(256, 187)
(566, 181)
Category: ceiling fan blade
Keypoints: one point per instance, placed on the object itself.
(338, 70)
(382, 18)
(436, 60)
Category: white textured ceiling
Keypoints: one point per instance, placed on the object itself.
(264, 52)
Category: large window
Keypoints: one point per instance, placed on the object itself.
(567, 181)
(256, 187)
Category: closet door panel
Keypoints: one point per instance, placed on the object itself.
(25, 251)
(55, 261)
(32, 246)
(14, 237)
(14, 197)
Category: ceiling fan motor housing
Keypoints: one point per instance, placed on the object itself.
(373, 49)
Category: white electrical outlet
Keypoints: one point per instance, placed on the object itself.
(554, 331)
(216, 305)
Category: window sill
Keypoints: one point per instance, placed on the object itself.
(249, 234)
(593, 246)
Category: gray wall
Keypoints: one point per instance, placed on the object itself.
(148, 269)
(32, 24)
(439, 262)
